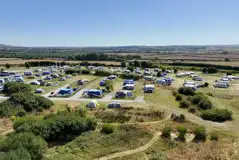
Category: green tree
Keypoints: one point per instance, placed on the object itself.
(17, 154)
(123, 64)
(7, 65)
(32, 144)
(15, 87)
(27, 65)
(136, 64)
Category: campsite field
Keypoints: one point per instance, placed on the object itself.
(137, 125)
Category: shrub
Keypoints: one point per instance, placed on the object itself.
(192, 109)
(175, 93)
(107, 128)
(56, 126)
(205, 104)
(15, 87)
(217, 115)
(17, 154)
(200, 134)
(159, 74)
(197, 98)
(182, 132)
(102, 73)
(186, 91)
(20, 103)
(184, 103)
(181, 118)
(214, 137)
(206, 84)
(24, 144)
(178, 97)
(130, 76)
(166, 132)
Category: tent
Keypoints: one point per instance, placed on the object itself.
(94, 93)
(92, 104)
(66, 91)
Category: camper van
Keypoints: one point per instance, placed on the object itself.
(197, 78)
(128, 81)
(128, 87)
(221, 85)
(149, 88)
(94, 93)
(149, 78)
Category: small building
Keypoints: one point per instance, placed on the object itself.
(149, 88)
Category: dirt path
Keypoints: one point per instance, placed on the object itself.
(133, 151)
(6, 132)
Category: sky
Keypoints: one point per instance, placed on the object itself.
(118, 22)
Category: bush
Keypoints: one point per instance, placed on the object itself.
(182, 132)
(180, 119)
(206, 84)
(205, 104)
(24, 144)
(20, 103)
(184, 103)
(17, 154)
(214, 137)
(175, 93)
(130, 76)
(217, 115)
(200, 134)
(197, 98)
(192, 109)
(166, 132)
(56, 126)
(107, 128)
(178, 97)
(102, 73)
(15, 87)
(186, 91)
(212, 70)
(159, 74)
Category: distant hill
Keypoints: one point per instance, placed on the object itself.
(124, 49)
